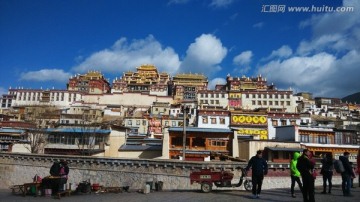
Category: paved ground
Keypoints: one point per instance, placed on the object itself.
(190, 195)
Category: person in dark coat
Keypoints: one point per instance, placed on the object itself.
(259, 169)
(358, 165)
(327, 171)
(346, 175)
(64, 172)
(305, 167)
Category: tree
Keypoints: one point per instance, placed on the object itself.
(41, 117)
(37, 140)
(89, 138)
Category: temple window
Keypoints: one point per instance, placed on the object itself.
(205, 119)
(304, 138)
(213, 120)
(274, 122)
(222, 120)
(347, 139)
(322, 139)
(218, 143)
(198, 141)
(293, 122)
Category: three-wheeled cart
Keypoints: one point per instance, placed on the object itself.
(207, 177)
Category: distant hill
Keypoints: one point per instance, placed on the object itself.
(352, 98)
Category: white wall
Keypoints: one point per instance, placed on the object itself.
(210, 125)
(129, 99)
(20, 148)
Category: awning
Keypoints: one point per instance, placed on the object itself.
(285, 149)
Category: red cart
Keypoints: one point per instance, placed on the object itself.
(208, 177)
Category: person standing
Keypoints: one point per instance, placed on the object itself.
(358, 165)
(64, 172)
(305, 167)
(327, 171)
(352, 178)
(259, 169)
(346, 175)
(295, 174)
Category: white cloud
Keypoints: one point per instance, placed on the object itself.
(124, 55)
(56, 75)
(334, 22)
(234, 16)
(216, 81)
(283, 52)
(258, 25)
(221, 3)
(319, 44)
(3, 91)
(299, 71)
(322, 74)
(326, 64)
(204, 55)
(243, 58)
(178, 2)
(337, 31)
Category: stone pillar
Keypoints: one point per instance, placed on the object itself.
(235, 145)
(165, 145)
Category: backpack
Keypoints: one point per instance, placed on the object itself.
(55, 169)
(339, 167)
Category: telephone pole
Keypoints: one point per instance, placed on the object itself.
(184, 131)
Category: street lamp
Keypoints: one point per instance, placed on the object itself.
(185, 111)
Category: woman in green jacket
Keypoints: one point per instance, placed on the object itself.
(295, 174)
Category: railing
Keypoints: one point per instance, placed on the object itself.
(139, 162)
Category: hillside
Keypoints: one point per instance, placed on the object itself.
(352, 98)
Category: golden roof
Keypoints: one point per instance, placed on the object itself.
(93, 74)
(190, 76)
(147, 67)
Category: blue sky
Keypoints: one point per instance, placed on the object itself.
(44, 42)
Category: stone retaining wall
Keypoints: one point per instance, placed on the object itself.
(21, 168)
